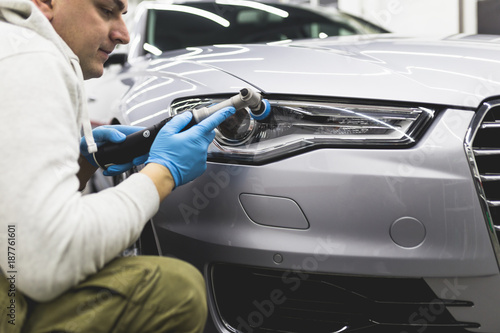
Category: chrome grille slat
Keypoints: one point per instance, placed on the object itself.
(489, 124)
(493, 203)
(485, 152)
(490, 178)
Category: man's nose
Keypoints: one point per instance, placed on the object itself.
(119, 32)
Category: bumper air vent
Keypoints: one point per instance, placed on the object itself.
(257, 300)
(483, 148)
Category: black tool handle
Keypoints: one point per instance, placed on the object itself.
(135, 145)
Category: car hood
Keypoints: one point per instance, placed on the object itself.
(456, 71)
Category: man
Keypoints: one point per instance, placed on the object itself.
(59, 248)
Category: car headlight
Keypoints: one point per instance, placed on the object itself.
(296, 126)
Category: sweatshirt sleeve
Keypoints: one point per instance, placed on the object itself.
(61, 235)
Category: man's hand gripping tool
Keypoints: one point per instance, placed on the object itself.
(139, 143)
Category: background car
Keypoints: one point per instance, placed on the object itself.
(368, 200)
(168, 26)
(158, 26)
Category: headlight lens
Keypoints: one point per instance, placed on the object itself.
(296, 126)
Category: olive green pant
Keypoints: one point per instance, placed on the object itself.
(132, 294)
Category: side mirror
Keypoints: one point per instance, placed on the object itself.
(116, 59)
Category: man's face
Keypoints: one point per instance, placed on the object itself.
(91, 28)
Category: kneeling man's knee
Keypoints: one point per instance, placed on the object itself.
(184, 285)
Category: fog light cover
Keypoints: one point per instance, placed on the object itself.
(297, 126)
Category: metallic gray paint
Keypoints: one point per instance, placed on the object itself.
(351, 207)
(448, 72)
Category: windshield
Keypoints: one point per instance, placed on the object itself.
(173, 27)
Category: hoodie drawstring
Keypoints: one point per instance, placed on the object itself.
(84, 116)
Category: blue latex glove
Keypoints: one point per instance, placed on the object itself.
(185, 153)
(116, 134)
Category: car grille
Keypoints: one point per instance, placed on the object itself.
(483, 147)
(257, 300)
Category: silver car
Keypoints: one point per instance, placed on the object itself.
(367, 202)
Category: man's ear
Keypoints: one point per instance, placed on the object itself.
(45, 6)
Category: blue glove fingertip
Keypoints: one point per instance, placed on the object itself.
(112, 171)
(217, 118)
(108, 173)
(140, 160)
(116, 136)
(177, 123)
(227, 112)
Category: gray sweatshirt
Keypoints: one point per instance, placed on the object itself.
(55, 235)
